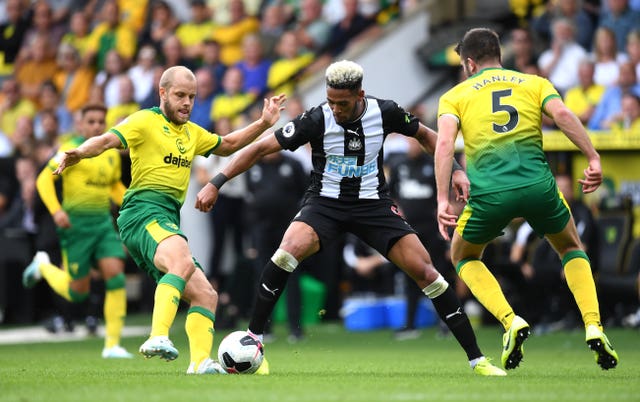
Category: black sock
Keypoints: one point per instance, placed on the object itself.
(450, 311)
(270, 287)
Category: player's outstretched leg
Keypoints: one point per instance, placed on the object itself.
(512, 342)
(606, 357)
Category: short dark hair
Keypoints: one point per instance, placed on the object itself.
(91, 107)
(480, 45)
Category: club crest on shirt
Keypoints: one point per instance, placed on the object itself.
(354, 144)
(180, 146)
(288, 129)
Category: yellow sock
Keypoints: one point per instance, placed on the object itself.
(199, 327)
(58, 279)
(577, 271)
(486, 289)
(166, 302)
(115, 310)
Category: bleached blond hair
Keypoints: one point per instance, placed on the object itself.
(344, 74)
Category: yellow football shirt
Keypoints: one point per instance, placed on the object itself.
(86, 187)
(162, 152)
(499, 113)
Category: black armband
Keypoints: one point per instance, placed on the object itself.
(218, 180)
(455, 166)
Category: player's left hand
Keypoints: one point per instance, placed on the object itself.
(592, 177)
(206, 198)
(461, 185)
(446, 219)
(272, 108)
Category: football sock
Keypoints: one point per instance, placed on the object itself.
(450, 311)
(115, 310)
(58, 279)
(486, 289)
(166, 302)
(270, 287)
(199, 328)
(577, 271)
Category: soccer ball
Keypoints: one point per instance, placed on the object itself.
(240, 353)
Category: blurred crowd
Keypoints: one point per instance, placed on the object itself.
(56, 56)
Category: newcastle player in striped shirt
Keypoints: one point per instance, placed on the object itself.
(348, 193)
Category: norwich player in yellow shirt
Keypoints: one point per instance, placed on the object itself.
(499, 114)
(85, 229)
(162, 143)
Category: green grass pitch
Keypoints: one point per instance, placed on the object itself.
(331, 364)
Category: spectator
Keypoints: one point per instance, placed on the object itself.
(23, 138)
(12, 35)
(42, 27)
(522, 53)
(560, 62)
(312, 29)
(412, 183)
(629, 117)
(583, 98)
(173, 53)
(194, 32)
(633, 50)
(233, 100)
(205, 93)
(50, 101)
(606, 57)
(47, 131)
(153, 99)
(107, 79)
(254, 66)
(291, 62)
(272, 25)
(611, 102)
(231, 36)
(13, 106)
(571, 10)
(345, 31)
(621, 19)
(270, 209)
(126, 103)
(110, 34)
(73, 80)
(161, 24)
(141, 73)
(36, 70)
(79, 33)
(226, 222)
(211, 60)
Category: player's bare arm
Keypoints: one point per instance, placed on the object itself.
(459, 180)
(241, 162)
(90, 148)
(574, 130)
(443, 157)
(240, 138)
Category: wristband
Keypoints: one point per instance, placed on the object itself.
(218, 180)
(455, 166)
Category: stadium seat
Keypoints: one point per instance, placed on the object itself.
(615, 287)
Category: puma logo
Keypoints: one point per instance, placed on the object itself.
(458, 311)
(273, 292)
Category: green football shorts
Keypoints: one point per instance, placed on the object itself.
(143, 225)
(89, 239)
(541, 204)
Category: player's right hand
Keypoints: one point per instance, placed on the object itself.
(446, 219)
(69, 158)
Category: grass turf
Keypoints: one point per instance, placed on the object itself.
(329, 365)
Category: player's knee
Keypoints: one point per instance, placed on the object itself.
(77, 297)
(116, 282)
(284, 260)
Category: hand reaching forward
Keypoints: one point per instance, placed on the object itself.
(69, 158)
(272, 108)
(206, 197)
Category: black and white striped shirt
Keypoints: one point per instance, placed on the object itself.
(347, 158)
